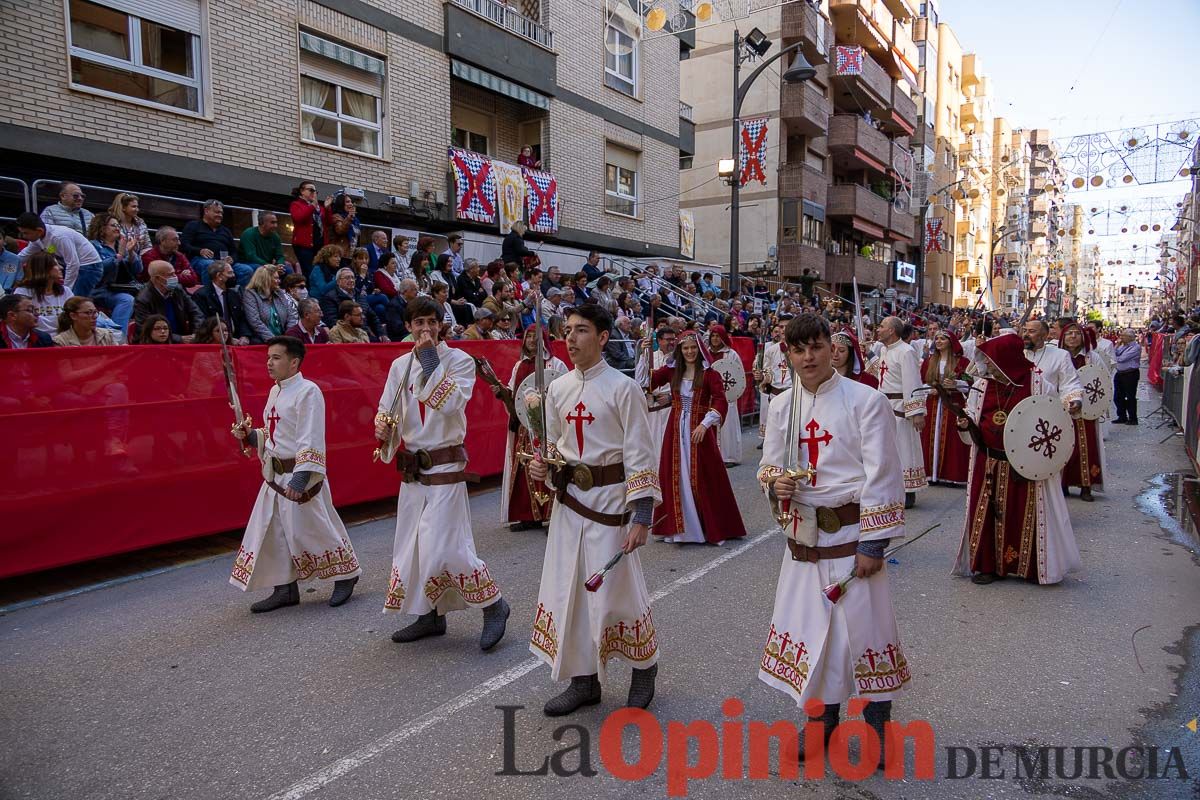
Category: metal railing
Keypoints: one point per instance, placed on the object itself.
(697, 306)
(685, 111)
(506, 17)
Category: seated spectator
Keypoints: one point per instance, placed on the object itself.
(401, 246)
(493, 272)
(268, 309)
(81, 262)
(349, 328)
(482, 327)
(376, 248)
(397, 328)
(326, 263)
(125, 209)
(552, 304)
(454, 246)
(212, 331)
(440, 295)
(619, 352)
(469, 287)
(43, 284)
(387, 278)
(504, 326)
(422, 275)
(10, 270)
(206, 240)
(164, 296)
(581, 287)
(77, 326)
(554, 278)
(603, 295)
(119, 267)
(221, 298)
(528, 159)
(343, 290)
(68, 211)
(261, 244)
(155, 330)
(364, 284)
(568, 300)
(309, 329)
(501, 297)
(295, 287)
(166, 248)
(18, 324)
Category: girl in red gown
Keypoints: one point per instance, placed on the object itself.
(848, 359)
(1086, 465)
(698, 503)
(946, 455)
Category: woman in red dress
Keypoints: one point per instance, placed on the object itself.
(946, 455)
(848, 359)
(698, 503)
(1086, 465)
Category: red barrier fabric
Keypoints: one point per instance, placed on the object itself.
(1154, 368)
(116, 449)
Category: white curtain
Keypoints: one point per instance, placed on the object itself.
(313, 94)
(361, 106)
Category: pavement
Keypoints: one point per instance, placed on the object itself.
(168, 687)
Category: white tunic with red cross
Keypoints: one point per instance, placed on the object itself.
(778, 374)
(815, 648)
(434, 564)
(900, 375)
(287, 541)
(596, 417)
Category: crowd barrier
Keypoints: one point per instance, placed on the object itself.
(1174, 381)
(116, 449)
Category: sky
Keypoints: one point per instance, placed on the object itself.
(1084, 66)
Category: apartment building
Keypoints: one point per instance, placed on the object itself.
(835, 196)
(240, 101)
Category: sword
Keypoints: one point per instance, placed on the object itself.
(539, 383)
(792, 468)
(385, 451)
(235, 402)
(857, 311)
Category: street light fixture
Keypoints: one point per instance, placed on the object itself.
(755, 42)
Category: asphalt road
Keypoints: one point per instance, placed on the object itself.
(169, 688)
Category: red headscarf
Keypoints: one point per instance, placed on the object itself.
(706, 358)
(1007, 353)
(720, 331)
(955, 345)
(849, 340)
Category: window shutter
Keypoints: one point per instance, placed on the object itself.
(184, 15)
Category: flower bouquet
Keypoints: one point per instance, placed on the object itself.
(836, 590)
(597, 580)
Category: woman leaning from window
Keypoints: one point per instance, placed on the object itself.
(77, 326)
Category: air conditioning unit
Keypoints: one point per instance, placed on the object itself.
(414, 189)
(357, 194)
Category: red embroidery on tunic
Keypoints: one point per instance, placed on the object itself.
(786, 659)
(880, 672)
(545, 633)
(636, 642)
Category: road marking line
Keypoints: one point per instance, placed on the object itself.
(369, 752)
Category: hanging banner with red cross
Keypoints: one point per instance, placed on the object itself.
(933, 236)
(541, 200)
(474, 189)
(997, 267)
(754, 150)
(848, 60)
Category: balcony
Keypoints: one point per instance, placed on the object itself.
(802, 182)
(1039, 164)
(969, 113)
(522, 54)
(804, 22)
(866, 211)
(795, 257)
(1039, 137)
(863, 22)
(859, 83)
(857, 145)
(1037, 229)
(901, 225)
(903, 117)
(1041, 205)
(804, 109)
(870, 274)
(972, 70)
(685, 111)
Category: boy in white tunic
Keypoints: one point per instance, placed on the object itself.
(606, 494)
(774, 376)
(899, 379)
(816, 649)
(434, 566)
(294, 532)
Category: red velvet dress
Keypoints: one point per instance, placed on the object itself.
(521, 507)
(1083, 469)
(940, 437)
(708, 479)
(867, 379)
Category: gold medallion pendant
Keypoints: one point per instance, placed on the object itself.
(999, 417)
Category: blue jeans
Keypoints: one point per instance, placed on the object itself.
(378, 303)
(120, 303)
(242, 273)
(89, 276)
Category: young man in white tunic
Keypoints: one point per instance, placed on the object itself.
(730, 436)
(606, 494)
(815, 649)
(294, 532)
(774, 376)
(434, 566)
(899, 380)
(660, 399)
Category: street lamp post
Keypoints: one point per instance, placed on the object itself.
(800, 71)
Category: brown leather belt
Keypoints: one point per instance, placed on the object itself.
(894, 395)
(410, 466)
(899, 414)
(814, 554)
(587, 476)
(771, 390)
(443, 478)
(282, 466)
(305, 496)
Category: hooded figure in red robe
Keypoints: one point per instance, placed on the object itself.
(856, 367)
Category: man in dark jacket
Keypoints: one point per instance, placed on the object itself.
(513, 248)
(164, 296)
(343, 289)
(619, 352)
(18, 324)
(205, 239)
(221, 298)
(396, 327)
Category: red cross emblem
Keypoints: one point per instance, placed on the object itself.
(272, 418)
(579, 419)
(813, 441)
(754, 168)
(475, 183)
(883, 371)
(542, 198)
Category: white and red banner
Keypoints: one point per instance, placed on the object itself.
(754, 150)
(474, 189)
(541, 200)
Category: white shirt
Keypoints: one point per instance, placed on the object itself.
(48, 308)
(900, 373)
(775, 366)
(68, 244)
(1055, 373)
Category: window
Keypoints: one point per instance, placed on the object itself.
(622, 36)
(472, 129)
(685, 162)
(341, 91)
(813, 231)
(153, 61)
(620, 180)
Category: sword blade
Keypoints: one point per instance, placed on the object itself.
(539, 370)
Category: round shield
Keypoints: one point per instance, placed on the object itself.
(528, 388)
(1039, 437)
(733, 375)
(1097, 390)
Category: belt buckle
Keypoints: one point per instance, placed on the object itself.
(827, 520)
(424, 460)
(277, 465)
(581, 476)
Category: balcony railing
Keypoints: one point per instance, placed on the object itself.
(805, 22)
(685, 111)
(857, 73)
(804, 109)
(505, 17)
(870, 273)
(851, 132)
(851, 200)
(800, 181)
